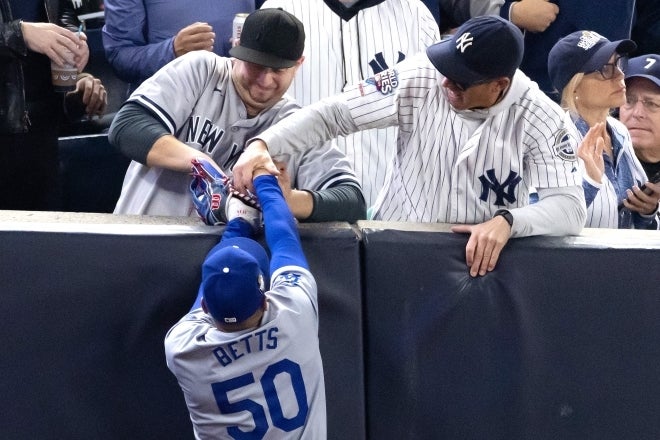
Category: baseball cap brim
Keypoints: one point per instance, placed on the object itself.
(651, 78)
(603, 54)
(639, 67)
(443, 57)
(261, 58)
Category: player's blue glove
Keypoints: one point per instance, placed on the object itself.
(217, 201)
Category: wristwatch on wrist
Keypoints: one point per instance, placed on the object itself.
(506, 214)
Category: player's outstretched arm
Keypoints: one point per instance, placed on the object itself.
(279, 225)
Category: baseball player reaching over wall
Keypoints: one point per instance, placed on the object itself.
(202, 104)
(247, 355)
(351, 41)
(475, 134)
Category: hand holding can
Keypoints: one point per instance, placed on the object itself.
(237, 27)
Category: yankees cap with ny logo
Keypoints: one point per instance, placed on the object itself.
(483, 48)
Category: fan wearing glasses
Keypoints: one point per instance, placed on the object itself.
(641, 112)
(587, 70)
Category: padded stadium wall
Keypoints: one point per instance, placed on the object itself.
(562, 340)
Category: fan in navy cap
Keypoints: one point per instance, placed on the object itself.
(583, 52)
(482, 49)
(248, 336)
(644, 66)
(587, 69)
(641, 112)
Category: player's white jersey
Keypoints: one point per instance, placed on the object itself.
(451, 166)
(343, 52)
(267, 382)
(194, 97)
(603, 198)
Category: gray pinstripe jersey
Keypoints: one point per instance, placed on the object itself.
(339, 52)
(194, 97)
(268, 379)
(451, 166)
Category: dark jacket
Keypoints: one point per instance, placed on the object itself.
(14, 117)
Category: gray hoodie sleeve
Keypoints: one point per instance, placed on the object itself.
(559, 211)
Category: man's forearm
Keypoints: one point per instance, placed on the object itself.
(343, 203)
(134, 131)
(560, 211)
(143, 138)
(301, 203)
(309, 127)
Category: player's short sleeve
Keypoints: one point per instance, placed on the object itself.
(296, 287)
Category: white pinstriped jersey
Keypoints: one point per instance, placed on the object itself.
(621, 174)
(268, 381)
(451, 166)
(338, 53)
(194, 97)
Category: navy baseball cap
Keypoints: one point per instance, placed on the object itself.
(234, 279)
(270, 37)
(483, 48)
(582, 52)
(645, 66)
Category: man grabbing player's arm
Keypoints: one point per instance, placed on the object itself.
(143, 138)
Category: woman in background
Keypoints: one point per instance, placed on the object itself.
(587, 70)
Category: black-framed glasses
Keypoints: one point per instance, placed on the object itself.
(611, 70)
(650, 105)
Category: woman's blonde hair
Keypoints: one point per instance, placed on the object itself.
(568, 96)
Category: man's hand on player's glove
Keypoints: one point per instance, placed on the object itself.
(217, 201)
